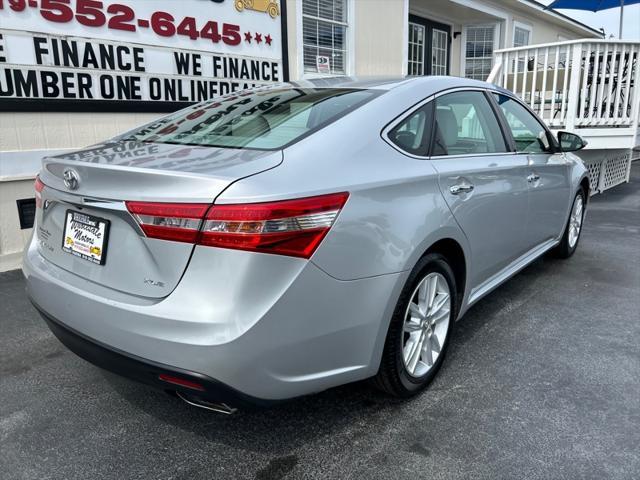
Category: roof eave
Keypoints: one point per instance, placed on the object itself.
(560, 16)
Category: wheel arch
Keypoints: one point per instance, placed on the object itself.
(454, 253)
(585, 184)
(449, 242)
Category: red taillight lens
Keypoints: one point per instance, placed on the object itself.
(288, 227)
(179, 222)
(181, 382)
(39, 186)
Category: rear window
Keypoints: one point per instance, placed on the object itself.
(265, 120)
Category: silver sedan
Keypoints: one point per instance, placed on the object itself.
(278, 242)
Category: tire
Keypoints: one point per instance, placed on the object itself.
(571, 238)
(395, 376)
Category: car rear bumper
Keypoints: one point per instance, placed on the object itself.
(146, 371)
(252, 327)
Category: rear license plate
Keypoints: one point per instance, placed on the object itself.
(86, 236)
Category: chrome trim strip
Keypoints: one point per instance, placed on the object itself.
(503, 275)
(115, 207)
(470, 155)
(417, 106)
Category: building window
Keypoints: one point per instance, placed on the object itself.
(479, 46)
(521, 36)
(416, 49)
(324, 29)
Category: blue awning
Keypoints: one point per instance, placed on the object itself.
(591, 5)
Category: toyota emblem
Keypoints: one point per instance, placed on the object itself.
(71, 179)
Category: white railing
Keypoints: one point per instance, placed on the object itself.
(591, 87)
(575, 84)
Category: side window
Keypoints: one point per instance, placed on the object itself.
(412, 134)
(466, 124)
(530, 136)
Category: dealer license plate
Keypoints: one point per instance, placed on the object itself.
(86, 236)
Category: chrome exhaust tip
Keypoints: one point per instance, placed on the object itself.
(206, 404)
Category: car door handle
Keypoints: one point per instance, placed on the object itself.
(534, 177)
(461, 188)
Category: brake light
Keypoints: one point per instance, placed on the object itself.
(179, 222)
(288, 227)
(39, 186)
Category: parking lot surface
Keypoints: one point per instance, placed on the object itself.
(542, 380)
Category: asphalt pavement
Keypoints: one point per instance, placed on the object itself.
(542, 380)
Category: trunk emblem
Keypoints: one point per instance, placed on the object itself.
(71, 178)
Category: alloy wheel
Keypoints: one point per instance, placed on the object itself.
(575, 222)
(426, 324)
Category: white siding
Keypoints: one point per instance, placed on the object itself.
(55, 130)
(379, 37)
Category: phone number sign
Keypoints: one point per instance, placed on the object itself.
(161, 51)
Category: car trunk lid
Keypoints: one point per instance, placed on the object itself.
(101, 179)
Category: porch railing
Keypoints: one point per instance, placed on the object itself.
(575, 84)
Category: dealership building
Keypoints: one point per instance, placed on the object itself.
(74, 73)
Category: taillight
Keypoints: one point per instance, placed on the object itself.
(288, 227)
(39, 186)
(179, 222)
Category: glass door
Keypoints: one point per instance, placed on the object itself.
(428, 44)
(439, 52)
(417, 37)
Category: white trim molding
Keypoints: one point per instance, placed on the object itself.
(405, 37)
(483, 7)
(567, 20)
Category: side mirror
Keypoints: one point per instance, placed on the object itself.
(570, 142)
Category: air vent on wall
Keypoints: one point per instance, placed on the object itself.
(26, 212)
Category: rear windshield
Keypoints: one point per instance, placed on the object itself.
(266, 120)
